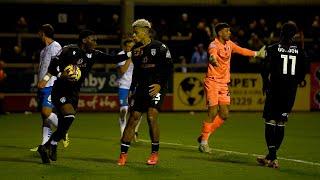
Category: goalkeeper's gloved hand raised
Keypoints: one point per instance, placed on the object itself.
(261, 53)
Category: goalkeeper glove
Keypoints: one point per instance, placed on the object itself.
(213, 61)
(261, 53)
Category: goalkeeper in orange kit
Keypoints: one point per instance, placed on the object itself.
(217, 79)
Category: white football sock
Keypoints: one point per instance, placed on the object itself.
(53, 119)
(46, 133)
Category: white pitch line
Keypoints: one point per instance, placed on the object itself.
(238, 153)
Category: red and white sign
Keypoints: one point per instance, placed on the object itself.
(315, 86)
(87, 102)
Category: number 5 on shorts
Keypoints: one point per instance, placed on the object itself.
(156, 99)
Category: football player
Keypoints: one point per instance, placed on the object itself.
(152, 69)
(65, 92)
(284, 69)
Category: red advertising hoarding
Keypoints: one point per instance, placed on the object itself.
(315, 86)
(107, 102)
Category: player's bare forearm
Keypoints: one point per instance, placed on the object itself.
(42, 83)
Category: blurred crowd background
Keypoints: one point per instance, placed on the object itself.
(187, 30)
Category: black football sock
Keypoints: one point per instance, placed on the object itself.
(63, 127)
(125, 147)
(279, 135)
(270, 136)
(154, 147)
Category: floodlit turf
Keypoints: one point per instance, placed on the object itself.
(94, 149)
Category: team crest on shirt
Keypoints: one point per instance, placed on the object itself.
(168, 55)
(153, 52)
(89, 55)
(80, 61)
(63, 99)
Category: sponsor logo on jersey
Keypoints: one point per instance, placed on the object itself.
(153, 52)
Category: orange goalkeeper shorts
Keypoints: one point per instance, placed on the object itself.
(216, 93)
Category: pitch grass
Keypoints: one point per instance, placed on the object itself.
(94, 149)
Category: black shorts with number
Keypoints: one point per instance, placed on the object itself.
(279, 103)
(141, 100)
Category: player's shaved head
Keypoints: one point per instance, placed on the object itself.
(288, 31)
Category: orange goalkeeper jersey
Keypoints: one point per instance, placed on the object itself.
(222, 53)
